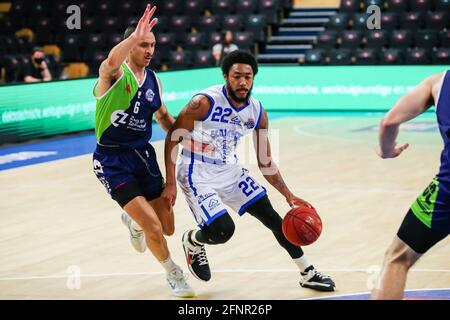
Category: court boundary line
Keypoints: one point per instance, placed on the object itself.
(151, 273)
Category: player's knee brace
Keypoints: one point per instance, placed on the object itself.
(219, 231)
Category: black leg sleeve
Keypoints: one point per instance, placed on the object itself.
(264, 212)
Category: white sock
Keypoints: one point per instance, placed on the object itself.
(168, 264)
(302, 263)
(194, 240)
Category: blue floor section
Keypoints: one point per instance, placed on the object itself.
(55, 149)
(413, 295)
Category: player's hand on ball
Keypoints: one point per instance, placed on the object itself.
(295, 201)
(145, 26)
(169, 194)
(395, 152)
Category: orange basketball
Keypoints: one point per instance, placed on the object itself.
(302, 226)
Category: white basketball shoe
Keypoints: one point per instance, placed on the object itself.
(137, 237)
(177, 283)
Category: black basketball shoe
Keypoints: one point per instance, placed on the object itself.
(196, 258)
(313, 279)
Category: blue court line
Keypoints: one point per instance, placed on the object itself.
(409, 294)
(55, 149)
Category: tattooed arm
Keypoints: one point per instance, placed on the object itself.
(268, 167)
(195, 110)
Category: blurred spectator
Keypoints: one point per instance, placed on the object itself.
(37, 69)
(220, 50)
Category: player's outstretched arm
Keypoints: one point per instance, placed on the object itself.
(195, 110)
(407, 107)
(268, 167)
(110, 68)
(163, 117)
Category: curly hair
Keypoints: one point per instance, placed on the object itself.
(239, 56)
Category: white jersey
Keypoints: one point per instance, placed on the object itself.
(209, 175)
(223, 128)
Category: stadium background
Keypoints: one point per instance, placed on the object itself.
(326, 80)
(315, 55)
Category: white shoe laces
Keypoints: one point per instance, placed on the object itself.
(319, 274)
(136, 233)
(200, 254)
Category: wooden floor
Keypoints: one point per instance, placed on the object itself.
(58, 222)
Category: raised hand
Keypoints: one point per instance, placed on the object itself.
(146, 23)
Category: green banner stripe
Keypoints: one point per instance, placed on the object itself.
(66, 106)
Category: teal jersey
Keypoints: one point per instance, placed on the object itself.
(124, 113)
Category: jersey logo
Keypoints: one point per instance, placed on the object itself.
(250, 124)
(149, 95)
(118, 117)
(128, 88)
(236, 121)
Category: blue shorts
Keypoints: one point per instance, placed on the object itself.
(127, 173)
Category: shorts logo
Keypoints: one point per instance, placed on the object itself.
(149, 95)
(202, 197)
(213, 203)
(250, 124)
(105, 184)
(98, 168)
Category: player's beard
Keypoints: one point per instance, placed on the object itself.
(236, 98)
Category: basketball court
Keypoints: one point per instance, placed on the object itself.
(62, 237)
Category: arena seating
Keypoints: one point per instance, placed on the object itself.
(187, 29)
(412, 32)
